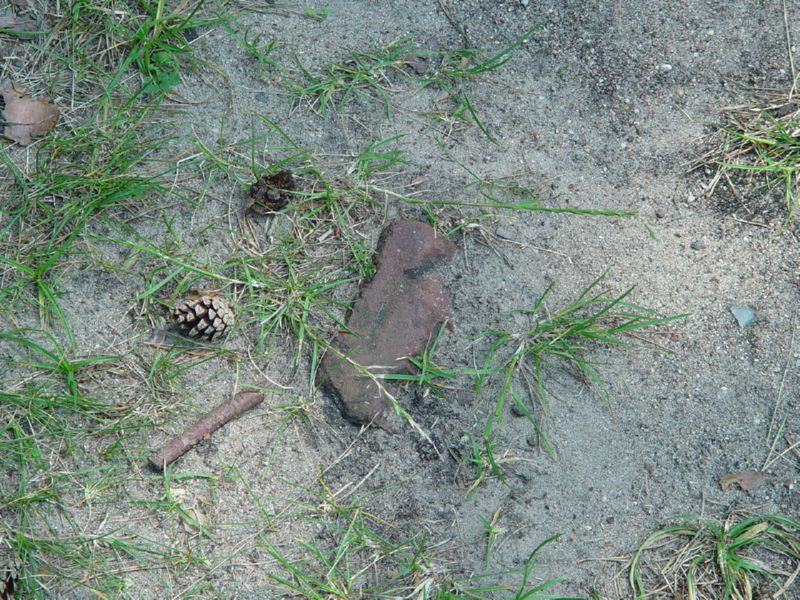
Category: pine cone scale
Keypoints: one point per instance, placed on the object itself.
(205, 317)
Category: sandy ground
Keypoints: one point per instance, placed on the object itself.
(603, 106)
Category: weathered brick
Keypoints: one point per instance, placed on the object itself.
(398, 311)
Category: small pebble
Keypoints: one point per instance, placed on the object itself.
(698, 245)
(516, 410)
(660, 213)
(418, 65)
(744, 315)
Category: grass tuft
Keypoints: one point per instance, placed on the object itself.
(456, 68)
(358, 554)
(516, 360)
(757, 158)
(702, 559)
(362, 76)
(47, 471)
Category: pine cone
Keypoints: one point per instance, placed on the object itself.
(271, 192)
(206, 317)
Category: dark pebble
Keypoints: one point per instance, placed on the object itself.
(418, 65)
(516, 410)
(698, 245)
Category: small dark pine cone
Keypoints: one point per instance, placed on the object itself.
(206, 317)
(271, 192)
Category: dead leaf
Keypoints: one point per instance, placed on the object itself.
(27, 117)
(747, 480)
(20, 3)
(19, 27)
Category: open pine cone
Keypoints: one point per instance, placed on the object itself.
(206, 317)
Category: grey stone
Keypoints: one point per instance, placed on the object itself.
(698, 245)
(744, 315)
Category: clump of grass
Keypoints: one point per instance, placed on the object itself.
(256, 45)
(362, 76)
(358, 554)
(53, 360)
(78, 175)
(757, 157)
(47, 417)
(100, 156)
(457, 67)
(64, 450)
(516, 360)
(365, 75)
(291, 293)
(376, 157)
(702, 559)
(103, 44)
(159, 44)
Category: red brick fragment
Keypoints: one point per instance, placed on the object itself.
(395, 317)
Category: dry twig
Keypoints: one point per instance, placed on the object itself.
(203, 427)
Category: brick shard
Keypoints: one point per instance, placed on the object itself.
(395, 317)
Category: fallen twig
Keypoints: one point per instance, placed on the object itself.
(204, 426)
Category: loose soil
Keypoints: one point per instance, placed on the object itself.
(604, 105)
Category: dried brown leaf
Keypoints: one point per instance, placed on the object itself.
(27, 117)
(747, 480)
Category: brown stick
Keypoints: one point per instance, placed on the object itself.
(204, 426)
